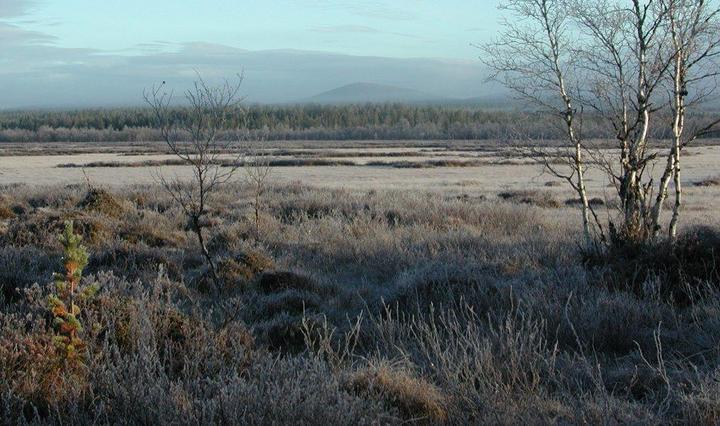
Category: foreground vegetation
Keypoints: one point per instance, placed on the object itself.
(347, 308)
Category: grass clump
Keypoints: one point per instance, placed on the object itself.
(5, 211)
(243, 268)
(417, 400)
(101, 201)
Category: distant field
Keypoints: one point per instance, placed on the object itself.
(463, 168)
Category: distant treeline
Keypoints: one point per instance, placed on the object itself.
(301, 122)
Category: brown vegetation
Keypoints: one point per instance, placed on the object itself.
(471, 311)
(709, 182)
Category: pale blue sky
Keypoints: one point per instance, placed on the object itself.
(395, 28)
(104, 52)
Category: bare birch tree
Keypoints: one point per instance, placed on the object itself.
(533, 58)
(694, 29)
(624, 56)
(257, 173)
(624, 61)
(192, 135)
(634, 52)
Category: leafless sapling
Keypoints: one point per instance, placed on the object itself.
(192, 133)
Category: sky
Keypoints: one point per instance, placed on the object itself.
(66, 52)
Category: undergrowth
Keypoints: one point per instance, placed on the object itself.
(350, 308)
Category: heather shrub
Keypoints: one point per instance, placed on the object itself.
(20, 267)
(40, 229)
(708, 182)
(152, 229)
(676, 270)
(543, 199)
(137, 262)
(274, 282)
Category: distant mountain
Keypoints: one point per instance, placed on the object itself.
(359, 93)
(271, 76)
(364, 93)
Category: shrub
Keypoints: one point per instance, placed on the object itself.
(136, 261)
(543, 199)
(677, 270)
(20, 267)
(593, 202)
(40, 229)
(712, 181)
(152, 229)
(274, 282)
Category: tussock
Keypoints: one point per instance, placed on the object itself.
(101, 201)
(418, 401)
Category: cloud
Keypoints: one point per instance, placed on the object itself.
(368, 9)
(343, 29)
(48, 76)
(13, 35)
(15, 8)
(362, 29)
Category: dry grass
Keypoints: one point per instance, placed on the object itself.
(277, 162)
(418, 401)
(472, 311)
(101, 201)
(428, 164)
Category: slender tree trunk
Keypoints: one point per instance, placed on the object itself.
(672, 231)
(581, 189)
(257, 214)
(673, 167)
(206, 253)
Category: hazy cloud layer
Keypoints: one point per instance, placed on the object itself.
(49, 76)
(368, 9)
(36, 72)
(14, 8)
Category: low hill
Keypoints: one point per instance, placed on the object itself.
(358, 93)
